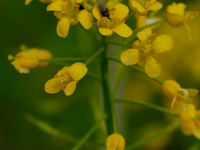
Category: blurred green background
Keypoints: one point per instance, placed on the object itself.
(24, 93)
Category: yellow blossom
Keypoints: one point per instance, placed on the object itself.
(173, 91)
(27, 2)
(115, 23)
(68, 12)
(146, 49)
(142, 8)
(176, 16)
(115, 141)
(24, 61)
(189, 121)
(66, 79)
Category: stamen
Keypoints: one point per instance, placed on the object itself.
(61, 80)
(127, 60)
(10, 57)
(66, 92)
(188, 31)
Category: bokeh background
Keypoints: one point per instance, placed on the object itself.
(75, 115)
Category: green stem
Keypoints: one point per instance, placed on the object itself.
(55, 132)
(163, 132)
(109, 107)
(95, 55)
(66, 59)
(149, 105)
(138, 70)
(89, 133)
(119, 44)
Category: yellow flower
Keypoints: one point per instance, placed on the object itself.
(116, 23)
(142, 8)
(68, 12)
(66, 79)
(27, 2)
(189, 121)
(176, 16)
(145, 49)
(115, 141)
(173, 91)
(24, 61)
(29, 58)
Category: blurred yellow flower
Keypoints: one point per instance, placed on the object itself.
(189, 121)
(66, 79)
(142, 7)
(173, 91)
(29, 58)
(69, 13)
(44, 1)
(24, 61)
(115, 141)
(176, 16)
(115, 23)
(145, 49)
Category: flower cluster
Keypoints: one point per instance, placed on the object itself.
(146, 49)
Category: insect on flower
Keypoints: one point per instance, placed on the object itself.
(81, 7)
(103, 9)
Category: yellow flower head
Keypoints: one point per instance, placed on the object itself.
(176, 16)
(142, 7)
(145, 49)
(115, 23)
(24, 61)
(69, 12)
(189, 121)
(66, 79)
(115, 141)
(173, 91)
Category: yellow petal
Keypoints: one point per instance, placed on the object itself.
(53, 86)
(151, 67)
(105, 31)
(162, 43)
(121, 12)
(79, 1)
(123, 30)
(138, 8)
(55, 6)
(19, 68)
(130, 56)
(77, 71)
(96, 13)
(63, 27)
(115, 141)
(27, 2)
(144, 34)
(192, 92)
(187, 127)
(70, 87)
(85, 18)
(176, 9)
(155, 6)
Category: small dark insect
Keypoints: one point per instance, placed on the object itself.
(103, 9)
(81, 7)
